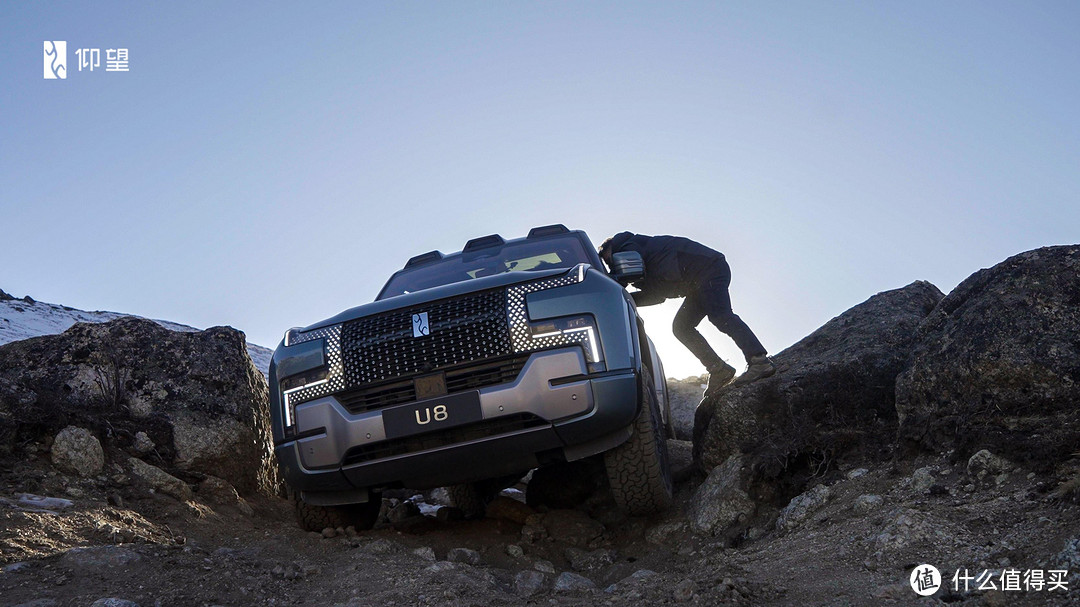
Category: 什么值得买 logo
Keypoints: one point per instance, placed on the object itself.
(55, 59)
(925, 580)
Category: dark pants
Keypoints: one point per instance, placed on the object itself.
(709, 297)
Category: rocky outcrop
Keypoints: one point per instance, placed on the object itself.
(199, 403)
(998, 363)
(835, 389)
(25, 318)
(995, 364)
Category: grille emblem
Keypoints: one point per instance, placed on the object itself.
(420, 326)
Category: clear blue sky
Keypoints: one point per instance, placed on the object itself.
(267, 165)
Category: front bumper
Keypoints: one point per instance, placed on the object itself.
(576, 417)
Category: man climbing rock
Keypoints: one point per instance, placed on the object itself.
(680, 267)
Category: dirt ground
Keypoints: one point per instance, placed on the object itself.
(152, 549)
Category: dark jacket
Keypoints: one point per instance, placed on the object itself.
(674, 265)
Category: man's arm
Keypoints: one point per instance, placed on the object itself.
(644, 298)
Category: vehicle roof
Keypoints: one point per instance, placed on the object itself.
(491, 241)
(495, 240)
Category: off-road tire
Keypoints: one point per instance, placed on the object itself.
(638, 469)
(316, 518)
(469, 498)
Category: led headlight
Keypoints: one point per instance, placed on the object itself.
(566, 331)
(529, 336)
(313, 384)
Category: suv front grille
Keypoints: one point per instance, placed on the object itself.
(469, 377)
(442, 438)
(463, 329)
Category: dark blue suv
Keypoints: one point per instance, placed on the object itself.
(468, 371)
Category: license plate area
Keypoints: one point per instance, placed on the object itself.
(432, 414)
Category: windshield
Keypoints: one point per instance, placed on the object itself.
(525, 255)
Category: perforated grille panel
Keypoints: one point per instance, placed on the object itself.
(463, 329)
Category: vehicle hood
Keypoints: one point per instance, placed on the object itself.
(410, 300)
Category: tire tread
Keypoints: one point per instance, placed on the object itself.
(638, 469)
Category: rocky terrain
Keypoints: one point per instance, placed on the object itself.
(914, 428)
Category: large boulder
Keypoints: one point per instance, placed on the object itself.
(78, 451)
(196, 396)
(721, 503)
(834, 391)
(998, 363)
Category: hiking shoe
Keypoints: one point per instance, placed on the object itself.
(718, 378)
(758, 367)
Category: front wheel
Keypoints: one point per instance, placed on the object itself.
(638, 469)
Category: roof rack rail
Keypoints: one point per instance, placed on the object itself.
(555, 228)
(493, 240)
(424, 258)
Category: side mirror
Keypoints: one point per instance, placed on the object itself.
(627, 267)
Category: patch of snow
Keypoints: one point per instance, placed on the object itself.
(425, 508)
(21, 319)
